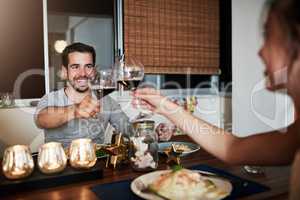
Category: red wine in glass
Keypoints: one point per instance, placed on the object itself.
(130, 84)
(107, 90)
(101, 92)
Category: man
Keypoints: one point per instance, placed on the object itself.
(72, 112)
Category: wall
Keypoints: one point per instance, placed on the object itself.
(21, 49)
(17, 127)
(254, 109)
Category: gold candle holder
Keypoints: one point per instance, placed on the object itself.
(118, 150)
(17, 162)
(82, 153)
(52, 158)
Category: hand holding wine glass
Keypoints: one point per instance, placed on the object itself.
(87, 108)
(131, 73)
(152, 99)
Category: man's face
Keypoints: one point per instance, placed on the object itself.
(80, 70)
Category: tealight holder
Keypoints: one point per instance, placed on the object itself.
(52, 158)
(82, 153)
(17, 162)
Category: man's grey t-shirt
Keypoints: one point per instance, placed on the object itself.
(93, 128)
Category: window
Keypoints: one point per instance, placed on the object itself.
(89, 21)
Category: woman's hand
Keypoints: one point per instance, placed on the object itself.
(151, 99)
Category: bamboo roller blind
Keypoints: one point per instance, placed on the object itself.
(173, 36)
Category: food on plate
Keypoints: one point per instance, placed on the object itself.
(185, 184)
(179, 147)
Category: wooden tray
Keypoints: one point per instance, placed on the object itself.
(38, 180)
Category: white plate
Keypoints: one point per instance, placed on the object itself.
(194, 147)
(141, 182)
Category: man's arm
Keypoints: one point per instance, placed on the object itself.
(54, 116)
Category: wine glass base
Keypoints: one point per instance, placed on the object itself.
(143, 115)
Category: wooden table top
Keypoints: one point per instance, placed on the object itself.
(277, 178)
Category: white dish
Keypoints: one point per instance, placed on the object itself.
(140, 183)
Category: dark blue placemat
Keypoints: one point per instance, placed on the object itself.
(121, 189)
(241, 187)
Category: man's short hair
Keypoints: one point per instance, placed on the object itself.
(77, 47)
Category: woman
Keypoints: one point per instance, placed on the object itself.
(281, 56)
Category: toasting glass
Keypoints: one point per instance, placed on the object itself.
(82, 153)
(52, 158)
(104, 83)
(17, 162)
(130, 74)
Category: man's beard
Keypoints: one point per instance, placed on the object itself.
(80, 90)
(76, 88)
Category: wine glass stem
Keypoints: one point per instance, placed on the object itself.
(120, 89)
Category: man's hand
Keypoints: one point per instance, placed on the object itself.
(87, 108)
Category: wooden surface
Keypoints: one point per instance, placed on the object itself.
(277, 178)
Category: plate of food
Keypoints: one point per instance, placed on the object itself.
(181, 184)
(185, 147)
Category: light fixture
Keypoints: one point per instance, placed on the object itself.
(60, 45)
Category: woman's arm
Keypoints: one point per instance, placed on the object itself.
(263, 149)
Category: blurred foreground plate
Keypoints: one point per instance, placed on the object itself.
(139, 185)
(190, 147)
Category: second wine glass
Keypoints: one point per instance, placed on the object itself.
(130, 75)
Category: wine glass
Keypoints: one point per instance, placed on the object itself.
(104, 82)
(130, 74)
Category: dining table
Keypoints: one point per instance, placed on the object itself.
(274, 177)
